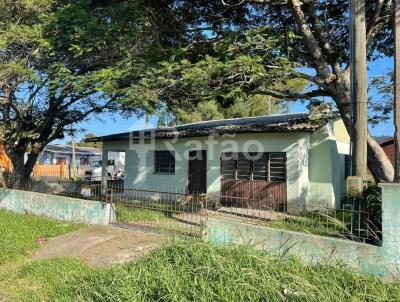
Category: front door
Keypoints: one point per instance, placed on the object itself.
(197, 182)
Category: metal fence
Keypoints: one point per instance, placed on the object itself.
(171, 212)
(361, 225)
(187, 214)
(56, 185)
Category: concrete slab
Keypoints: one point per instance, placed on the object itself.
(101, 245)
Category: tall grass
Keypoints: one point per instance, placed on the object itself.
(195, 271)
(335, 223)
(188, 270)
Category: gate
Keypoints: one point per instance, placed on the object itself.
(167, 212)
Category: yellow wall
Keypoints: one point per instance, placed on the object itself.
(340, 132)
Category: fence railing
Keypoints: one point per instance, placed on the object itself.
(172, 212)
(184, 213)
(56, 185)
(318, 218)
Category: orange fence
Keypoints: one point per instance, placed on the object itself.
(50, 170)
(5, 161)
(59, 170)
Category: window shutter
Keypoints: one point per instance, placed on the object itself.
(277, 167)
(228, 165)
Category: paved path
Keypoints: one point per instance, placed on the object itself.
(101, 245)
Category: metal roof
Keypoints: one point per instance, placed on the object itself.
(291, 122)
(387, 141)
(67, 149)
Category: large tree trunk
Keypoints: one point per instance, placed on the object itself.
(378, 163)
(19, 177)
(22, 170)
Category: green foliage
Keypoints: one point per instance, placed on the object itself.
(232, 80)
(62, 62)
(381, 105)
(82, 142)
(373, 198)
(232, 50)
(195, 271)
(180, 271)
(18, 233)
(130, 214)
(336, 223)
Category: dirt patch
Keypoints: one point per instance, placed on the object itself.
(101, 245)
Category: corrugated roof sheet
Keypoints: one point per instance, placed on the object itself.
(292, 122)
(67, 149)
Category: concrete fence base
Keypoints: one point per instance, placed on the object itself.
(381, 260)
(56, 206)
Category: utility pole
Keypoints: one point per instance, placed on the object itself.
(359, 88)
(397, 90)
(73, 157)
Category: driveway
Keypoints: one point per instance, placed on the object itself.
(102, 245)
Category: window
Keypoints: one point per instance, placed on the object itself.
(260, 167)
(61, 161)
(228, 166)
(84, 161)
(277, 167)
(254, 166)
(164, 162)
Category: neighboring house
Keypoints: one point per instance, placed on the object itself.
(388, 146)
(62, 155)
(299, 160)
(5, 162)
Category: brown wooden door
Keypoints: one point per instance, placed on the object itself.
(197, 182)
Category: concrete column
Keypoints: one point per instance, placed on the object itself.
(104, 162)
(391, 224)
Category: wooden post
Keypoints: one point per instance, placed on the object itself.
(359, 88)
(73, 158)
(397, 90)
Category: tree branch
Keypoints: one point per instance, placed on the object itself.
(33, 94)
(289, 96)
(309, 39)
(382, 14)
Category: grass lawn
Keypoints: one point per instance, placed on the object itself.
(131, 214)
(186, 270)
(19, 233)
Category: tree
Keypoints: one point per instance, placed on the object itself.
(63, 61)
(382, 106)
(211, 110)
(232, 79)
(314, 35)
(83, 143)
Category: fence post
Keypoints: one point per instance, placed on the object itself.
(203, 218)
(110, 203)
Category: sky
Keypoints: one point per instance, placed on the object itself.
(113, 123)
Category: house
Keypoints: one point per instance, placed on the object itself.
(295, 161)
(388, 146)
(5, 162)
(62, 155)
